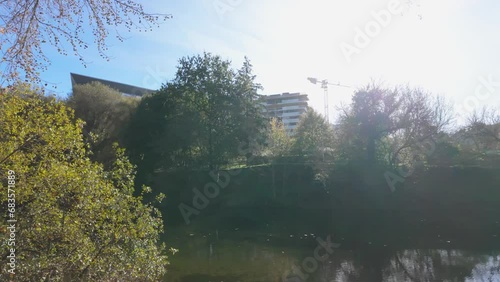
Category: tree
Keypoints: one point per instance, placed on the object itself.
(314, 140)
(106, 113)
(75, 221)
(445, 153)
(395, 120)
(201, 117)
(483, 129)
(479, 138)
(161, 134)
(422, 118)
(313, 135)
(27, 26)
(369, 118)
(279, 145)
(250, 108)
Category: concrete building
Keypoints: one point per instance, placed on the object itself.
(125, 89)
(287, 107)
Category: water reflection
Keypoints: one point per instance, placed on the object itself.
(265, 257)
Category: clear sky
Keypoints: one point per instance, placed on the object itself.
(442, 46)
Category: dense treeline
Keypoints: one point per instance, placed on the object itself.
(210, 117)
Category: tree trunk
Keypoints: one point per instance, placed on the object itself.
(370, 150)
(274, 181)
(210, 151)
(284, 180)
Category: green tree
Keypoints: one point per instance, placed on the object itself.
(251, 124)
(445, 154)
(200, 118)
(367, 120)
(27, 28)
(75, 221)
(313, 135)
(314, 141)
(106, 113)
(279, 145)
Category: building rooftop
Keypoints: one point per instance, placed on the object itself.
(121, 87)
(285, 95)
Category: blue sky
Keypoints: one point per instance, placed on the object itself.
(443, 46)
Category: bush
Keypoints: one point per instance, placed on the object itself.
(75, 221)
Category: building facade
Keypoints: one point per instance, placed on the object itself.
(287, 107)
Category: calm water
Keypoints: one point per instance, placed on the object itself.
(436, 231)
(237, 255)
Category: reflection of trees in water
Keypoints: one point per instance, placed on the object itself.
(256, 262)
(347, 272)
(486, 271)
(431, 265)
(411, 265)
(365, 266)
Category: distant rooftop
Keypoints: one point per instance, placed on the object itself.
(284, 95)
(121, 87)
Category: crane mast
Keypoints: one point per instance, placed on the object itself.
(324, 85)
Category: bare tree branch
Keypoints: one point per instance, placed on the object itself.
(27, 26)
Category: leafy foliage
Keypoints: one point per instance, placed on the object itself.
(279, 142)
(313, 134)
(75, 220)
(366, 121)
(198, 119)
(106, 113)
(389, 124)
